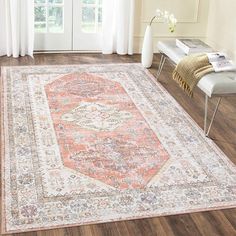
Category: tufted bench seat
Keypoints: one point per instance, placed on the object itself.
(213, 84)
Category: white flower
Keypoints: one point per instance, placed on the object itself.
(167, 17)
(159, 13)
(171, 17)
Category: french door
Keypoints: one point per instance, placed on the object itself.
(68, 25)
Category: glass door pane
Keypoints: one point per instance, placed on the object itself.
(49, 16)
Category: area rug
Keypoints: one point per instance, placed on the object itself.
(86, 144)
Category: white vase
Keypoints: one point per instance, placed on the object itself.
(147, 50)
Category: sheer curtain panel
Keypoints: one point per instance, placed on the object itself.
(16, 27)
(118, 24)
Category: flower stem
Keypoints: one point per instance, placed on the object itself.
(153, 18)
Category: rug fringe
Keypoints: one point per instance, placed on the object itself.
(182, 83)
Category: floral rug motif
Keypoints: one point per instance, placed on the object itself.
(87, 144)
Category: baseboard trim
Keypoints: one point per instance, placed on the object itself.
(64, 51)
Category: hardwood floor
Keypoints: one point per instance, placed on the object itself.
(212, 223)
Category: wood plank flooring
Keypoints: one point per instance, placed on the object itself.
(212, 223)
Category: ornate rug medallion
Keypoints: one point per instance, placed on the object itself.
(88, 144)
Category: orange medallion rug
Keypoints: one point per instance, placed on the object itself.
(87, 144)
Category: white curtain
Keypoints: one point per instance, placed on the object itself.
(16, 27)
(118, 24)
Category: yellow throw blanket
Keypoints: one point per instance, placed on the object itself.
(190, 70)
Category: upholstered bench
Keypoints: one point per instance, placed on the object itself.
(213, 84)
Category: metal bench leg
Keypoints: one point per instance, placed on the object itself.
(205, 117)
(162, 62)
(159, 67)
(213, 117)
(207, 131)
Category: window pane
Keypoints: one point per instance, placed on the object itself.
(88, 14)
(88, 20)
(40, 27)
(99, 29)
(40, 14)
(88, 28)
(55, 19)
(89, 1)
(99, 15)
(56, 1)
(40, 1)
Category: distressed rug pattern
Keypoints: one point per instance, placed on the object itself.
(87, 144)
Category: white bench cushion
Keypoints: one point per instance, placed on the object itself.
(221, 83)
(169, 48)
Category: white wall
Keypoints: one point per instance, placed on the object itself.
(191, 14)
(221, 31)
